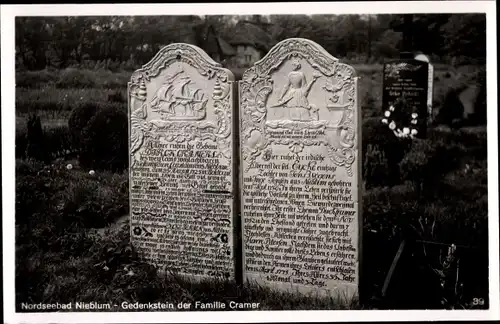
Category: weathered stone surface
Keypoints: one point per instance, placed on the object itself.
(182, 163)
(430, 92)
(430, 84)
(300, 144)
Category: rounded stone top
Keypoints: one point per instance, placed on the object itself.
(422, 57)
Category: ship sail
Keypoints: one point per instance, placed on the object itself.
(185, 90)
(161, 96)
(179, 100)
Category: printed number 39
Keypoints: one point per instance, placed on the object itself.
(477, 301)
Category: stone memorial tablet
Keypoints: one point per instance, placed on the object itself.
(408, 79)
(182, 163)
(300, 143)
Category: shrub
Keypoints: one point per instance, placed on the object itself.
(452, 110)
(21, 143)
(117, 96)
(368, 106)
(376, 133)
(79, 118)
(414, 165)
(75, 78)
(105, 141)
(480, 102)
(385, 148)
(427, 163)
(370, 90)
(44, 144)
(472, 144)
(35, 143)
(59, 141)
(375, 167)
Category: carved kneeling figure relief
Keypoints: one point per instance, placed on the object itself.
(293, 98)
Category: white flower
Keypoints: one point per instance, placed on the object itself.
(391, 108)
(392, 125)
(414, 115)
(91, 172)
(414, 132)
(387, 113)
(384, 121)
(106, 268)
(406, 130)
(414, 121)
(69, 166)
(130, 273)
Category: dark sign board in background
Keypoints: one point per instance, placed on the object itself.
(407, 79)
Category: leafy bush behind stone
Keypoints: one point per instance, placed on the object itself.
(79, 118)
(105, 141)
(75, 78)
(44, 144)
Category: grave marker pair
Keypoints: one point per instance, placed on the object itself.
(284, 156)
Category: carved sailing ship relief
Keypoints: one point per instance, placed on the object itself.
(178, 109)
(179, 99)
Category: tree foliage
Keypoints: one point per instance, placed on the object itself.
(131, 41)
